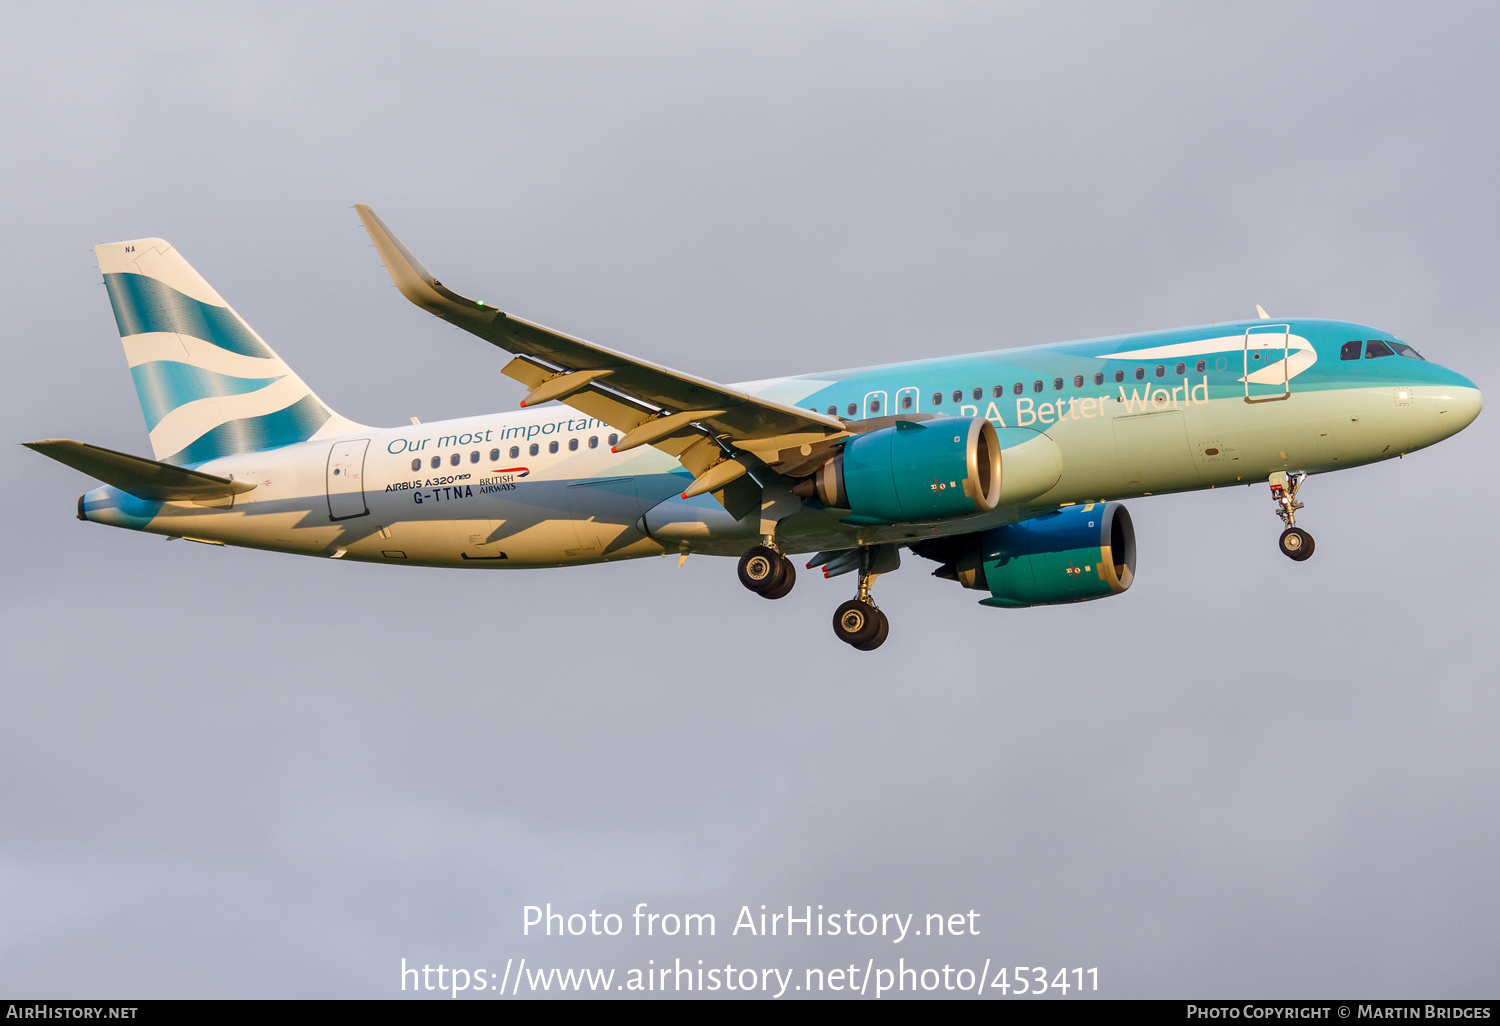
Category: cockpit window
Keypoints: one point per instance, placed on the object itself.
(1376, 348)
(1402, 349)
(1350, 350)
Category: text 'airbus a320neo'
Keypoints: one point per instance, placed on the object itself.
(1002, 467)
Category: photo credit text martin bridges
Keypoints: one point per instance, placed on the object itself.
(1004, 468)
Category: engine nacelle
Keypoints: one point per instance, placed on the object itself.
(914, 470)
(1076, 554)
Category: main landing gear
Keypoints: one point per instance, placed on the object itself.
(767, 572)
(859, 622)
(1295, 543)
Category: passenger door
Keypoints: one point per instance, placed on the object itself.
(346, 479)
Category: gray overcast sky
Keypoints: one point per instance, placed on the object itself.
(226, 772)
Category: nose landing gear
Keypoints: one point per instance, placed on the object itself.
(767, 572)
(1295, 543)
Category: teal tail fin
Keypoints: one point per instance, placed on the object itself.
(209, 386)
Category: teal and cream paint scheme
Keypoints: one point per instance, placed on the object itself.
(1006, 468)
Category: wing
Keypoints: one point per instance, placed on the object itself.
(719, 434)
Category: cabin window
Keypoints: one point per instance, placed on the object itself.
(833, 411)
(515, 452)
(1351, 350)
(612, 440)
(416, 464)
(1140, 374)
(572, 445)
(853, 408)
(1099, 378)
(958, 396)
(1202, 366)
(1182, 368)
(437, 461)
(1374, 349)
(1402, 349)
(1160, 371)
(455, 459)
(1018, 388)
(1119, 375)
(474, 456)
(874, 405)
(998, 391)
(593, 441)
(535, 448)
(978, 394)
(937, 398)
(552, 446)
(1057, 384)
(1037, 386)
(494, 455)
(1078, 381)
(906, 402)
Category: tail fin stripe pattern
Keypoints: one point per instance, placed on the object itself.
(143, 304)
(294, 424)
(209, 386)
(191, 420)
(164, 385)
(174, 348)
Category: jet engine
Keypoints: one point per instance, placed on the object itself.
(913, 470)
(1073, 555)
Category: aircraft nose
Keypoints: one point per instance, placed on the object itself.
(1461, 405)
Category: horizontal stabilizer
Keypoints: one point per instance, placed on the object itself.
(143, 478)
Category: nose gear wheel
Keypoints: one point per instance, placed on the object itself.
(1295, 542)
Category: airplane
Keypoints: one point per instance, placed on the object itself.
(1005, 468)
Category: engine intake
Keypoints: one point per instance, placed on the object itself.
(914, 470)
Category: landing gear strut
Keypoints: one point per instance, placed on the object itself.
(859, 622)
(1295, 543)
(767, 572)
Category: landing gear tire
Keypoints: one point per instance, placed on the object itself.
(767, 572)
(1296, 544)
(786, 577)
(760, 569)
(881, 633)
(859, 623)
